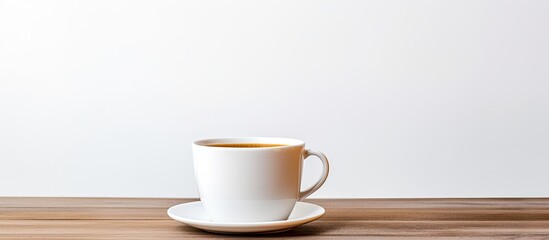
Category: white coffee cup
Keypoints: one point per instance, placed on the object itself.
(252, 184)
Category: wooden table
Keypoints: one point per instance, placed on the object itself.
(134, 218)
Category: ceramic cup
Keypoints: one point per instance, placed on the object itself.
(252, 184)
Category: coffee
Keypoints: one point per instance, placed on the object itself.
(245, 145)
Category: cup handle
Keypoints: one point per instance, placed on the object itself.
(322, 179)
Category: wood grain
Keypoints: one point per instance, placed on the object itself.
(134, 218)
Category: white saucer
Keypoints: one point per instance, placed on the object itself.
(193, 214)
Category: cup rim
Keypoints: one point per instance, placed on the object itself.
(288, 142)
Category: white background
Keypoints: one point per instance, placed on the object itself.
(407, 98)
